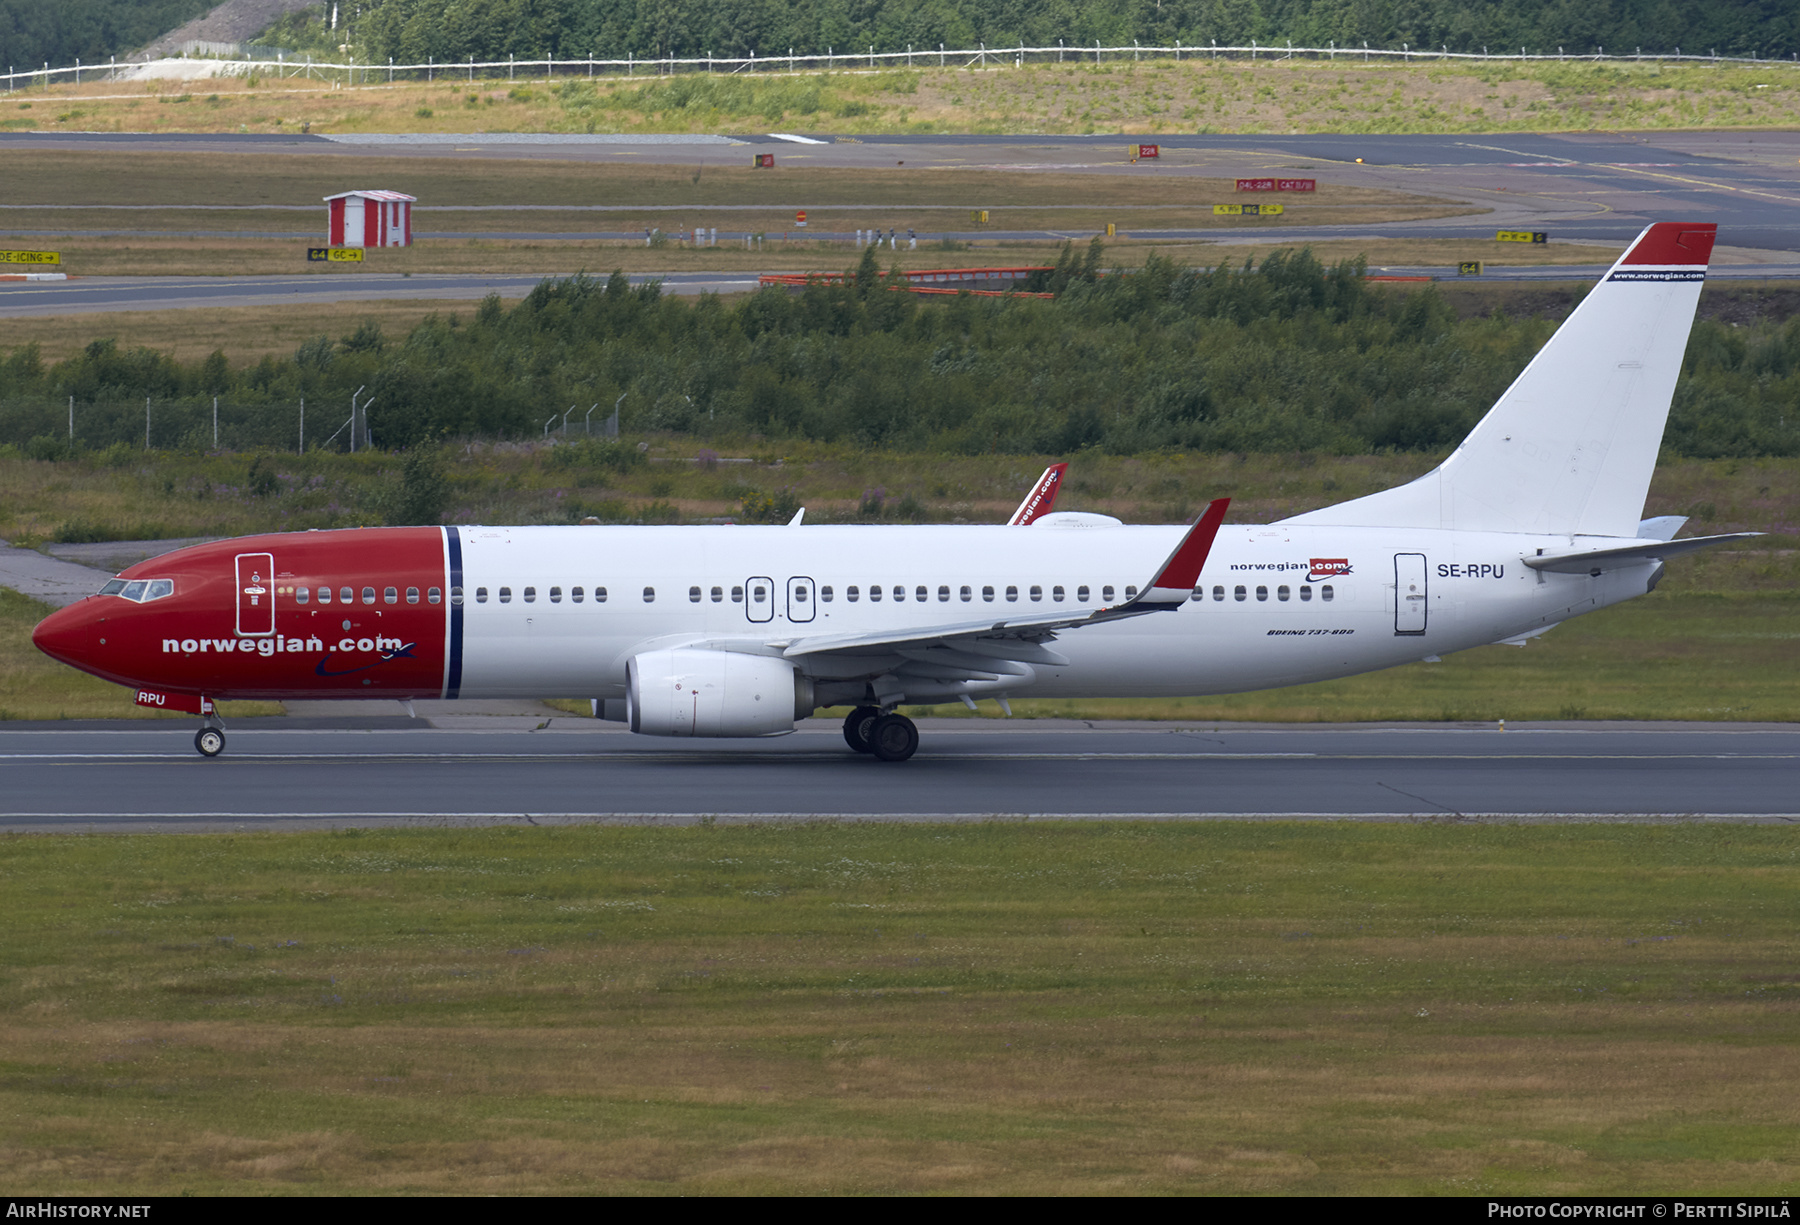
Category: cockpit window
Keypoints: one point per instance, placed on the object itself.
(139, 590)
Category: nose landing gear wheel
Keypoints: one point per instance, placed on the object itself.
(856, 727)
(210, 741)
(893, 738)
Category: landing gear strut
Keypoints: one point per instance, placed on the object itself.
(857, 725)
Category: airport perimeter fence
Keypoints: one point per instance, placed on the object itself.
(284, 66)
(43, 427)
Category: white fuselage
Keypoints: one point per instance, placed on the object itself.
(1280, 604)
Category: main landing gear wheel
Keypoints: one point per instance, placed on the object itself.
(210, 741)
(856, 727)
(893, 738)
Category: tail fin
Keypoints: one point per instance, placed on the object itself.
(1569, 449)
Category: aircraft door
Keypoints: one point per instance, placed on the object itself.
(1409, 593)
(255, 594)
(800, 598)
(759, 599)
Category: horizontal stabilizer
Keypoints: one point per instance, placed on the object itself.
(1594, 561)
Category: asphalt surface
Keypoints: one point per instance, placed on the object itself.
(285, 774)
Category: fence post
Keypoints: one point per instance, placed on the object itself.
(215, 423)
(146, 423)
(71, 421)
(302, 450)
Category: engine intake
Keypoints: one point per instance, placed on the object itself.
(714, 693)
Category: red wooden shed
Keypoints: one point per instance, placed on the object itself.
(370, 219)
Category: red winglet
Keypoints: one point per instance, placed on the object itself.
(1182, 570)
(1674, 244)
(1041, 498)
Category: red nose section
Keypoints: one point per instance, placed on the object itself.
(65, 634)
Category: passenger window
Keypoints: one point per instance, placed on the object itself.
(388, 595)
(1012, 594)
(966, 595)
(412, 595)
(943, 595)
(799, 594)
(921, 594)
(718, 595)
(302, 595)
(900, 593)
(506, 595)
(1218, 593)
(556, 595)
(324, 595)
(1106, 594)
(456, 595)
(576, 595)
(758, 593)
(1130, 592)
(599, 595)
(1238, 594)
(874, 593)
(1262, 593)
(825, 594)
(851, 593)
(1056, 593)
(435, 595)
(1199, 594)
(531, 595)
(346, 595)
(1282, 593)
(987, 593)
(369, 595)
(649, 595)
(1037, 593)
(481, 595)
(1325, 593)
(693, 595)
(737, 595)
(1081, 594)
(1305, 593)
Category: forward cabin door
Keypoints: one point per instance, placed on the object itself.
(1409, 593)
(255, 595)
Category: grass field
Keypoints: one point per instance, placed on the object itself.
(473, 198)
(1154, 97)
(1098, 1009)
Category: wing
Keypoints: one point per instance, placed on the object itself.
(960, 658)
(1042, 498)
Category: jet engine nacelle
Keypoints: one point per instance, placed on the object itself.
(714, 693)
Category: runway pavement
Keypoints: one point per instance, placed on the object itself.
(286, 774)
